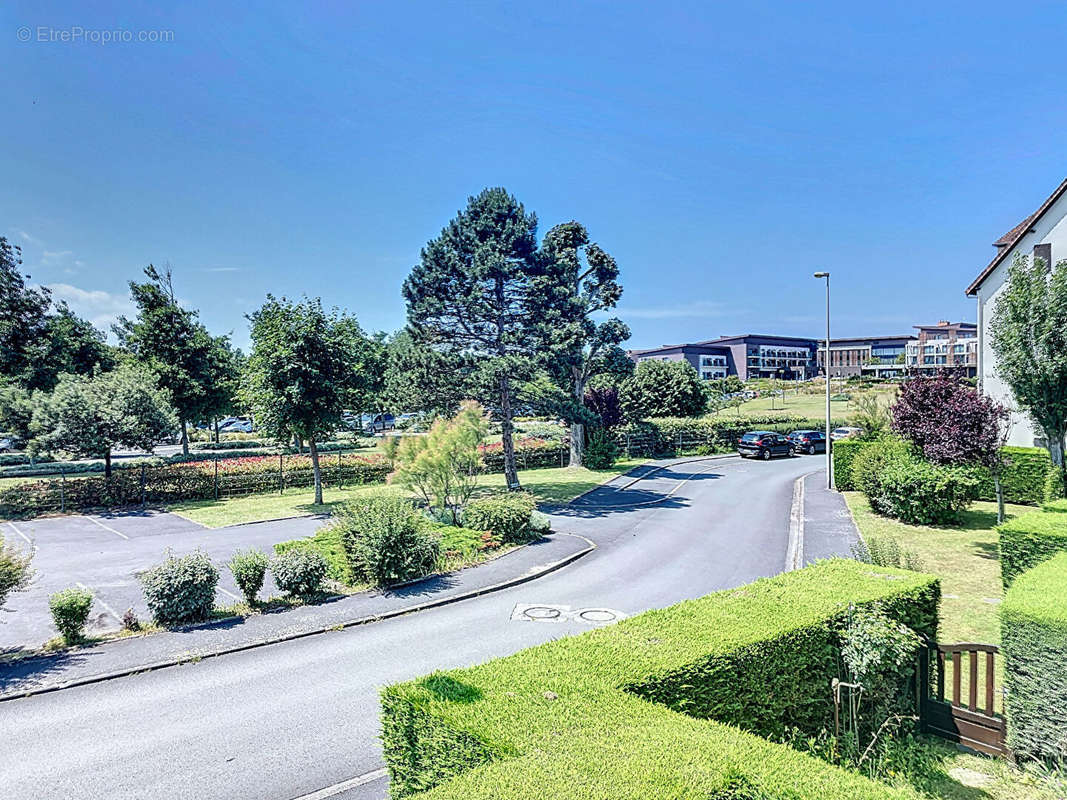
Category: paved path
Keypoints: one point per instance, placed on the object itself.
(286, 720)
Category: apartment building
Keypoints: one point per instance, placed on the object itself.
(881, 356)
(946, 345)
(749, 356)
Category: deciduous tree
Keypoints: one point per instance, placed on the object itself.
(663, 389)
(88, 416)
(22, 312)
(172, 342)
(1029, 341)
(307, 366)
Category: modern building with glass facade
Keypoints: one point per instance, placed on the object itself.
(749, 356)
(881, 356)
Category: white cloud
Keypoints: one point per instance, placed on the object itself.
(51, 258)
(101, 308)
(28, 238)
(700, 308)
(221, 269)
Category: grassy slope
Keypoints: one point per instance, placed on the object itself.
(549, 485)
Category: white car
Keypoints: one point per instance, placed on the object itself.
(845, 433)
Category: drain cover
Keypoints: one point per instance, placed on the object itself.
(541, 613)
(597, 615)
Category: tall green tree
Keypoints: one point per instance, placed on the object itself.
(1029, 340)
(222, 381)
(578, 280)
(67, 344)
(306, 367)
(472, 293)
(663, 389)
(88, 416)
(173, 343)
(22, 313)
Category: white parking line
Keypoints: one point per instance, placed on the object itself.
(97, 598)
(343, 786)
(228, 593)
(20, 533)
(108, 528)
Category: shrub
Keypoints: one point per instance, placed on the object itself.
(1034, 632)
(70, 612)
(181, 589)
(505, 515)
(885, 551)
(249, 567)
(15, 571)
(386, 541)
(871, 462)
(601, 451)
(569, 719)
(880, 653)
(1022, 477)
(540, 522)
(844, 455)
(299, 572)
(327, 543)
(919, 493)
(1028, 540)
(1053, 484)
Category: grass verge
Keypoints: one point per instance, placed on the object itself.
(554, 485)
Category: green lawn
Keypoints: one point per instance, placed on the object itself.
(964, 557)
(805, 405)
(548, 485)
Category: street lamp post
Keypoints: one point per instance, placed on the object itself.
(826, 372)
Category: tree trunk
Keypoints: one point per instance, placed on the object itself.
(315, 469)
(511, 474)
(185, 436)
(216, 430)
(107, 463)
(577, 428)
(1000, 496)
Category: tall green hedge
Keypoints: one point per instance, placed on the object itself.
(1024, 478)
(1029, 539)
(1034, 633)
(572, 718)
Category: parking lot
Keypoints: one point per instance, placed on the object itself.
(105, 553)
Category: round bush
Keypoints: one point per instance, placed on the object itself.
(249, 568)
(601, 451)
(919, 493)
(299, 572)
(505, 515)
(872, 460)
(70, 612)
(181, 589)
(386, 540)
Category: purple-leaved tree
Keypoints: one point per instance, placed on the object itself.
(953, 424)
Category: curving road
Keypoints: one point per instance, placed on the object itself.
(300, 719)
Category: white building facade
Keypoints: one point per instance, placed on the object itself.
(1042, 235)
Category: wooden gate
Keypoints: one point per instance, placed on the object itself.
(973, 720)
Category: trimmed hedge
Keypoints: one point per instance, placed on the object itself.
(1023, 480)
(571, 718)
(1034, 632)
(1030, 539)
(844, 453)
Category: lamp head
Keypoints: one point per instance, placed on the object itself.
(822, 274)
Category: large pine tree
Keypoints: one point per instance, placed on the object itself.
(471, 293)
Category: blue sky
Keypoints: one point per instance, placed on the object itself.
(721, 152)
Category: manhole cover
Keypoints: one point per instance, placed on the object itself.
(597, 615)
(542, 613)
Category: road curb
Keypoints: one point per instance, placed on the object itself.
(191, 659)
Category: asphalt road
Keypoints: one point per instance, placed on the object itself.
(285, 721)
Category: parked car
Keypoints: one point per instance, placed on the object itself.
(238, 425)
(845, 433)
(9, 444)
(379, 422)
(810, 442)
(764, 445)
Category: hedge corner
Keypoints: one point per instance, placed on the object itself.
(1028, 540)
(1034, 632)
